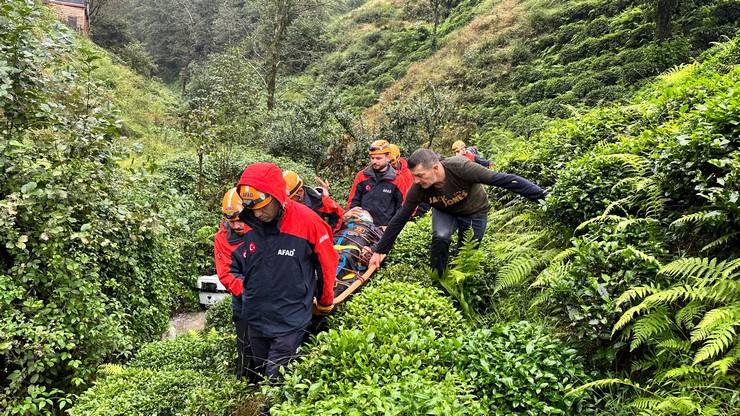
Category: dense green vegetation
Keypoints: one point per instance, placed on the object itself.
(618, 295)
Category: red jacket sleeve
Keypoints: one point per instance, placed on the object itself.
(353, 190)
(330, 206)
(226, 267)
(328, 259)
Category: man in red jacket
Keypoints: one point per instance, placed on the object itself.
(229, 238)
(286, 246)
(405, 179)
(315, 198)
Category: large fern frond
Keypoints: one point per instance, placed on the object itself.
(649, 326)
(599, 384)
(635, 293)
(686, 315)
(519, 269)
(720, 241)
(723, 365)
(635, 252)
(600, 218)
(700, 217)
(679, 373)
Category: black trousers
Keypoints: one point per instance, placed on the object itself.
(269, 354)
(444, 226)
(244, 363)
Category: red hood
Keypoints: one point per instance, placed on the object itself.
(267, 178)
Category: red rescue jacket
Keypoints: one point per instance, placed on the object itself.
(225, 248)
(281, 259)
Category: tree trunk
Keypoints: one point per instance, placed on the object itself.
(435, 9)
(200, 173)
(663, 14)
(273, 65)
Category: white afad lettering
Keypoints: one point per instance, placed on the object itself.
(286, 252)
(323, 238)
(388, 191)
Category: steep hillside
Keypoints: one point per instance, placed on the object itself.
(505, 66)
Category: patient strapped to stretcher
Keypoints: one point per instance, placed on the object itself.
(357, 232)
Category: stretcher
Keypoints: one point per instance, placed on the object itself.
(353, 270)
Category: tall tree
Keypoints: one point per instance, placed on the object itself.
(286, 33)
(664, 10)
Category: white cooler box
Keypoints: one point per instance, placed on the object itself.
(210, 290)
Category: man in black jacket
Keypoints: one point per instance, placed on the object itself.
(377, 188)
(288, 260)
(453, 188)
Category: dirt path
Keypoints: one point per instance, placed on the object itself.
(184, 322)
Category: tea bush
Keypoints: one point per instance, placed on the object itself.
(401, 302)
(206, 352)
(128, 391)
(518, 368)
(219, 317)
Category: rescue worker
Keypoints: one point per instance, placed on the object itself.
(453, 188)
(315, 198)
(229, 238)
(376, 188)
(460, 149)
(287, 246)
(405, 180)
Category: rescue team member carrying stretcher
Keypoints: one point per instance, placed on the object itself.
(453, 189)
(315, 198)
(286, 245)
(376, 188)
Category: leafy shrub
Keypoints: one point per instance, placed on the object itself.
(409, 395)
(388, 356)
(518, 368)
(89, 259)
(405, 273)
(399, 302)
(149, 392)
(220, 317)
(412, 245)
(207, 352)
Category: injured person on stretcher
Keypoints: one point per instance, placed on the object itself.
(356, 233)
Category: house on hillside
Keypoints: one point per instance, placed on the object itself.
(72, 12)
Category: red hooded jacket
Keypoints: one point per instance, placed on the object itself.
(227, 266)
(282, 258)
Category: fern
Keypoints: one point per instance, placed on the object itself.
(600, 384)
(674, 344)
(635, 252)
(679, 373)
(635, 293)
(698, 218)
(722, 366)
(686, 315)
(637, 164)
(649, 326)
(721, 241)
(518, 270)
(600, 218)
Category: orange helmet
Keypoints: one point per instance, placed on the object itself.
(394, 153)
(293, 182)
(379, 147)
(458, 145)
(231, 205)
(252, 198)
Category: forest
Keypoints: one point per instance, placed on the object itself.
(618, 294)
